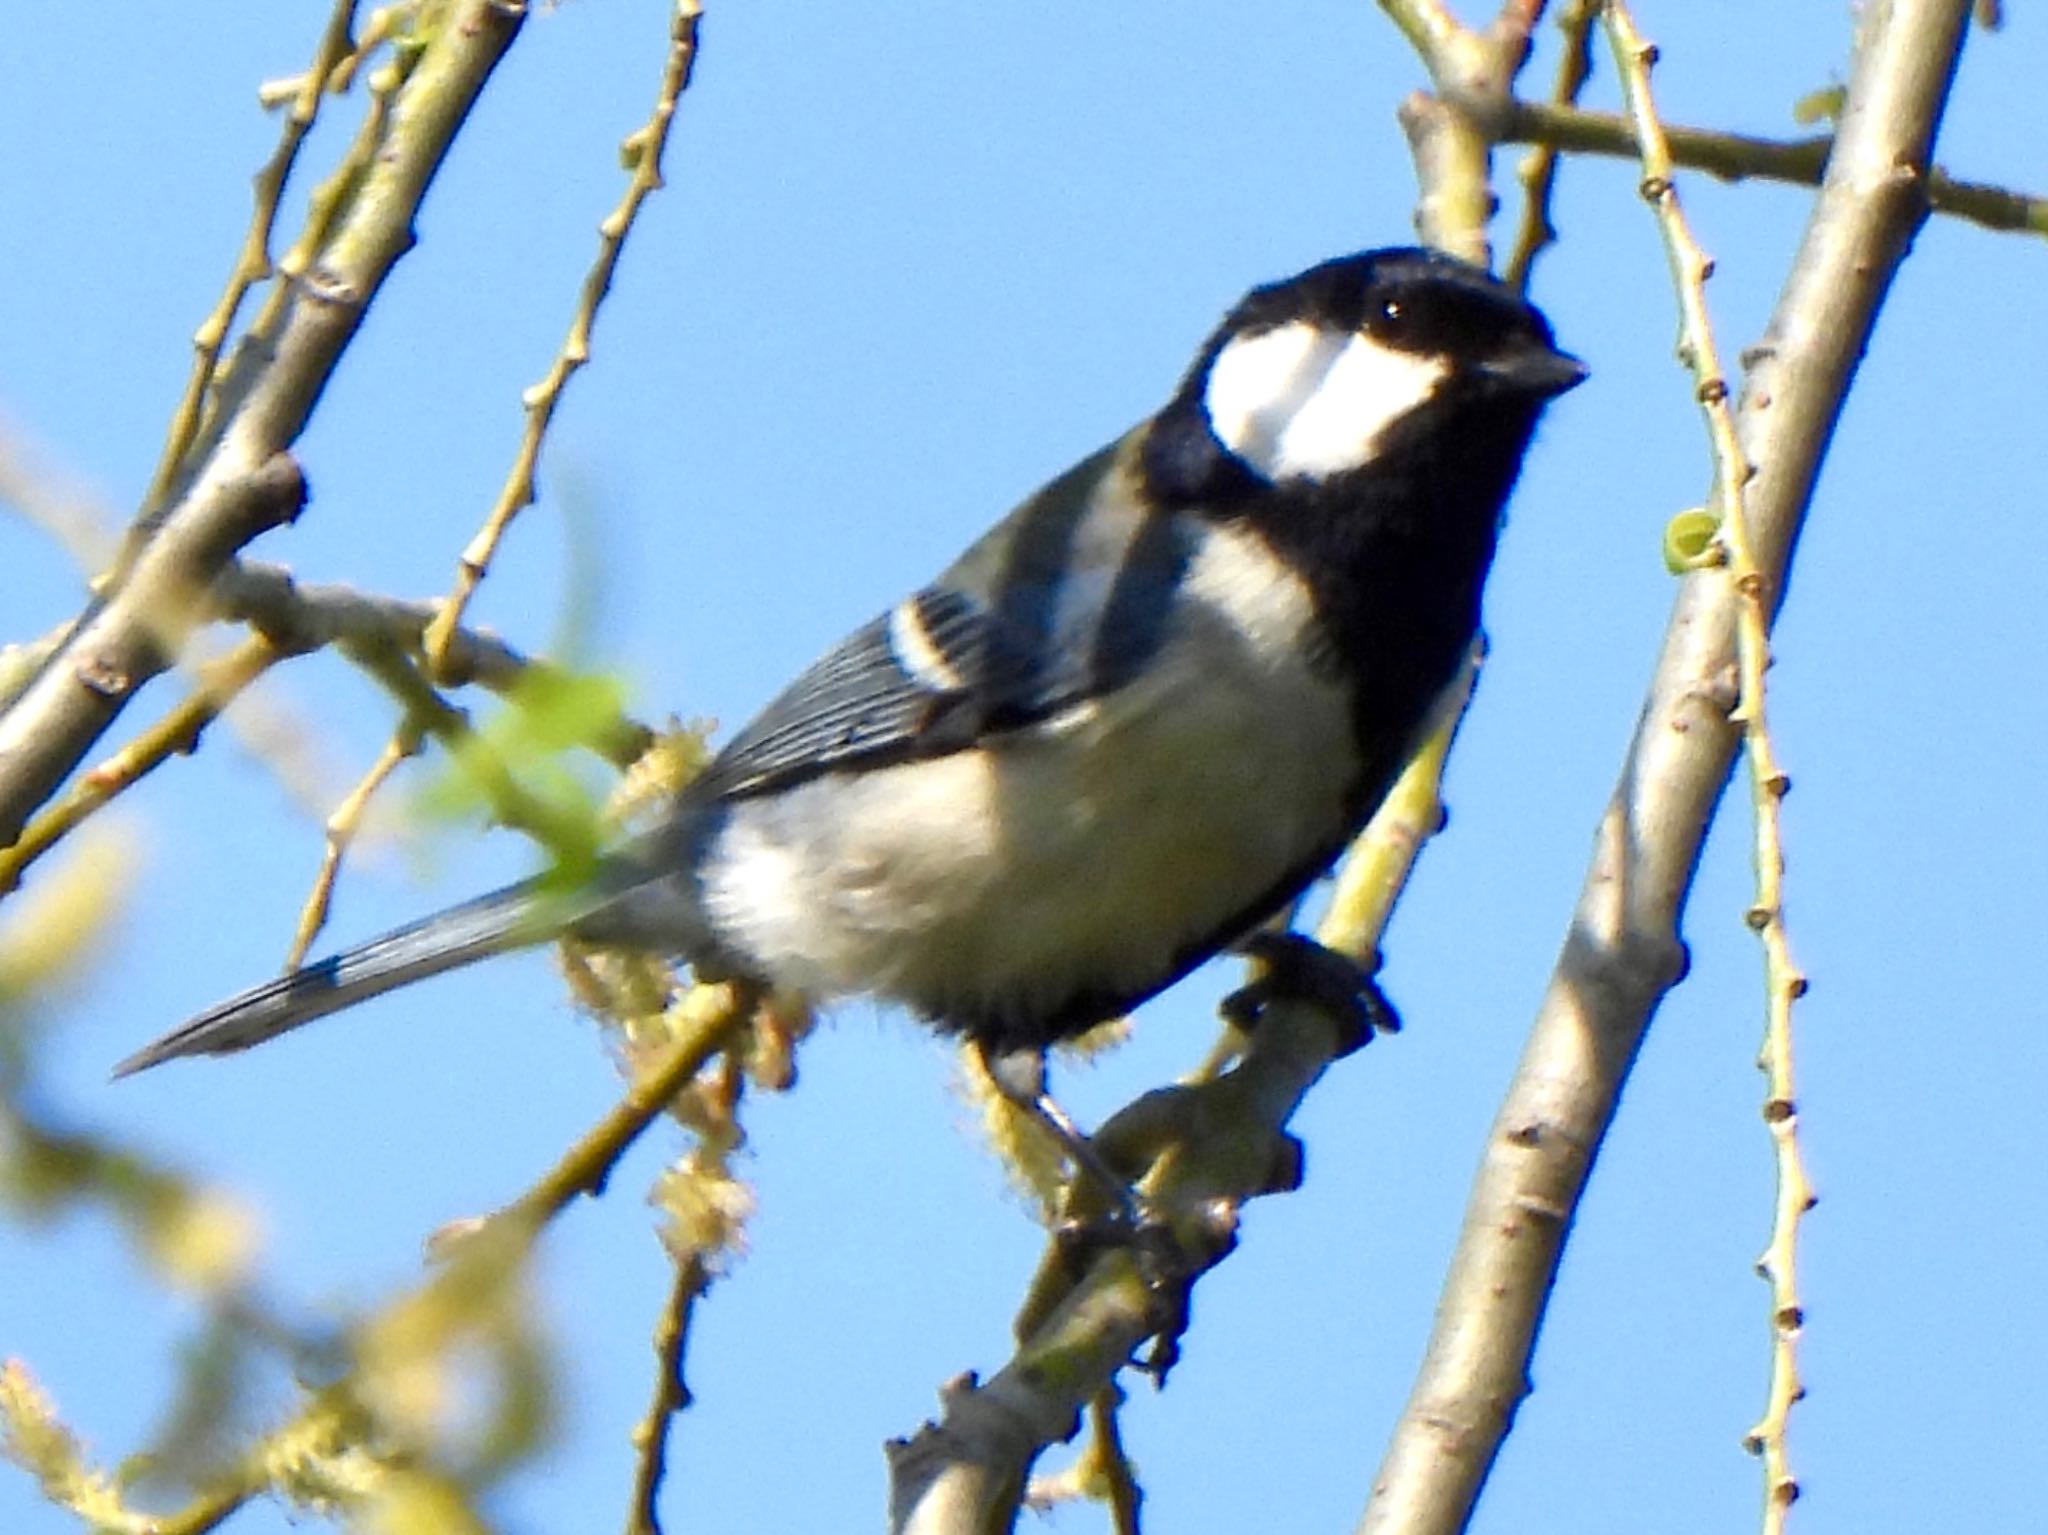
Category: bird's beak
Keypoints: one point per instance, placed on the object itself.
(1539, 370)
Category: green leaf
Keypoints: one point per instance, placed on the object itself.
(1691, 542)
(1821, 106)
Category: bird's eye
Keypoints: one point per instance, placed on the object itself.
(1389, 319)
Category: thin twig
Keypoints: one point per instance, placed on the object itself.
(426, 711)
(1120, 1481)
(330, 199)
(54, 502)
(176, 734)
(1740, 156)
(209, 1511)
(1622, 953)
(671, 1396)
(442, 638)
(1537, 172)
(705, 1022)
(344, 822)
(644, 150)
(243, 480)
(252, 262)
(1793, 1196)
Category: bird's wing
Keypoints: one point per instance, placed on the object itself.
(1064, 600)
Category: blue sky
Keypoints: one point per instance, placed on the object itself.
(910, 263)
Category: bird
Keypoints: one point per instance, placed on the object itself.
(1119, 734)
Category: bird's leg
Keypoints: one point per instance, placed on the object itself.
(1129, 1220)
(1019, 1075)
(1296, 967)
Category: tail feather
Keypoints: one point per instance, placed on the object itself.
(515, 917)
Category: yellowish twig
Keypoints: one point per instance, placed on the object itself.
(343, 824)
(706, 1020)
(1376, 869)
(310, 1450)
(1120, 1481)
(566, 834)
(62, 507)
(644, 149)
(331, 197)
(643, 152)
(1101, 1472)
(176, 733)
(1537, 171)
(1782, 980)
(208, 1512)
(34, 1438)
(1208, 1147)
(1737, 156)
(671, 1396)
(252, 262)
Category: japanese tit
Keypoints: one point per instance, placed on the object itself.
(1129, 724)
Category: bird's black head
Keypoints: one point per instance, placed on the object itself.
(1366, 421)
(1354, 364)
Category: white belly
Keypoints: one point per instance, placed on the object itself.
(1083, 855)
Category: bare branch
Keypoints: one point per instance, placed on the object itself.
(1740, 156)
(1538, 171)
(1782, 982)
(302, 616)
(243, 480)
(252, 262)
(443, 643)
(291, 619)
(1623, 951)
(1451, 132)
(671, 1396)
(176, 734)
(644, 150)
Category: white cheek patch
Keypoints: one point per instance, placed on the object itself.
(1302, 402)
(1259, 383)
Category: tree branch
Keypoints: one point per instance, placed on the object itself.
(300, 616)
(644, 152)
(243, 480)
(1623, 951)
(336, 51)
(1538, 171)
(1740, 156)
(1690, 269)
(671, 1396)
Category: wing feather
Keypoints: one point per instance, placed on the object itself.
(1064, 600)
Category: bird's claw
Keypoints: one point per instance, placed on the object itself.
(1297, 968)
(1167, 1266)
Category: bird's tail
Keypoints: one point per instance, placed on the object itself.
(515, 917)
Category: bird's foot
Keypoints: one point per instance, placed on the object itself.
(1169, 1257)
(1297, 968)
